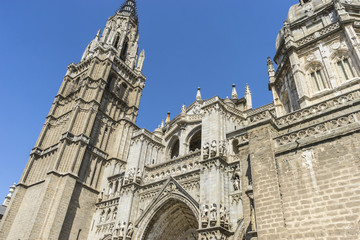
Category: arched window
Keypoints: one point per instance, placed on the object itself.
(116, 42)
(124, 50)
(344, 68)
(122, 91)
(318, 78)
(175, 147)
(195, 142)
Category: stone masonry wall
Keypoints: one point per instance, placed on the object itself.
(320, 187)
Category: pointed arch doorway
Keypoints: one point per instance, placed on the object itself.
(173, 221)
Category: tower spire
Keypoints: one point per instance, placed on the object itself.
(129, 7)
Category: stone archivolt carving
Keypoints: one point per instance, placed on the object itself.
(212, 235)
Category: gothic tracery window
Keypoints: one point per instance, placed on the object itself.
(116, 42)
(318, 79)
(344, 68)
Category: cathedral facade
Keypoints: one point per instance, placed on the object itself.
(220, 170)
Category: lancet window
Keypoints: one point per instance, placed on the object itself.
(344, 68)
(116, 42)
(318, 78)
(124, 50)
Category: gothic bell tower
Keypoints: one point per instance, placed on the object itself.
(89, 125)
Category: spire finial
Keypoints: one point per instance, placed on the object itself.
(167, 118)
(234, 94)
(198, 94)
(248, 97)
(98, 35)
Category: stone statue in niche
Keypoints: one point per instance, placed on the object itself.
(131, 174)
(205, 215)
(130, 231)
(206, 150)
(213, 212)
(213, 149)
(138, 175)
(236, 182)
(222, 148)
(222, 213)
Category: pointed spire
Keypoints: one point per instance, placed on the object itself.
(129, 7)
(234, 94)
(98, 35)
(162, 124)
(167, 118)
(248, 97)
(198, 94)
(141, 60)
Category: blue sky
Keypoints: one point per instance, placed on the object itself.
(206, 43)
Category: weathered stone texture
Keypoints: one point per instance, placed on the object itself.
(320, 189)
